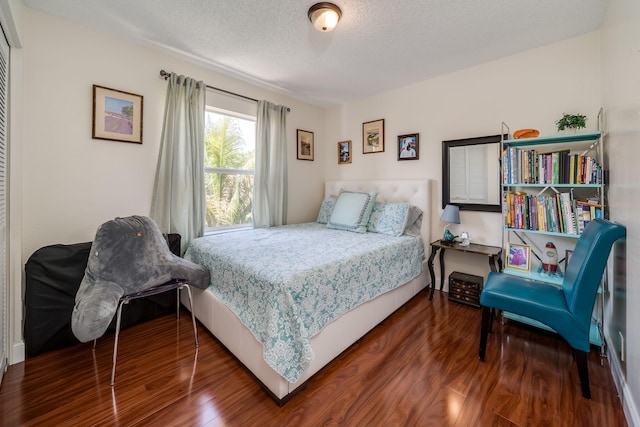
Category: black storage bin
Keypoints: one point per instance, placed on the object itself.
(465, 288)
(52, 278)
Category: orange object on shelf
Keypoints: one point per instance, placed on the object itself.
(526, 133)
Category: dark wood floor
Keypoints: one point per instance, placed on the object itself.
(418, 368)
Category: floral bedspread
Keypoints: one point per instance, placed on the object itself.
(287, 283)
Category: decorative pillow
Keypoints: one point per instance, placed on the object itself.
(388, 218)
(414, 221)
(325, 210)
(351, 211)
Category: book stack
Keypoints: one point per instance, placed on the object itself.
(585, 212)
(527, 166)
(556, 213)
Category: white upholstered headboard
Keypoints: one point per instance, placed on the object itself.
(415, 191)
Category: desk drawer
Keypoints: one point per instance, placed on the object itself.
(465, 288)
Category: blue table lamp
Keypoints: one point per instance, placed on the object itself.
(451, 215)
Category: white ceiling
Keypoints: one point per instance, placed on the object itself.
(378, 45)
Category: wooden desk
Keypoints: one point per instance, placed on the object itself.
(492, 252)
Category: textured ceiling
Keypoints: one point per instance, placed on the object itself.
(378, 45)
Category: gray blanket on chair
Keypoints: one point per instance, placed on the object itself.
(128, 255)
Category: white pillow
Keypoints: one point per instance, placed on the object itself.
(352, 210)
(414, 221)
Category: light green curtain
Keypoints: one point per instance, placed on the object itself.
(270, 185)
(178, 204)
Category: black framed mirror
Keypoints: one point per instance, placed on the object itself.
(471, 173)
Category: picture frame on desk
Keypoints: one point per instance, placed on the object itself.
(518, 256)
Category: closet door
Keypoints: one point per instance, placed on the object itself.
(4, 88)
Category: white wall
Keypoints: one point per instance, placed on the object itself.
(72, 183)
(621, 99)
(527, 90)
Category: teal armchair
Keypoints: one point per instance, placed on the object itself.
(568, 309)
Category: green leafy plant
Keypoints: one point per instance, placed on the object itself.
(572, 121)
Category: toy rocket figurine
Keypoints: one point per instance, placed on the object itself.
(550, 258)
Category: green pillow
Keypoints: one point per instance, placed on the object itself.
(352, 210)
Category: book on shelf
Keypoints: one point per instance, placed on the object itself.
(579, 218)
(568, 213)
(527, 166)
(557, 213)
(588, 211)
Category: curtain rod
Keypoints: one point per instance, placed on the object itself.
(165, 75)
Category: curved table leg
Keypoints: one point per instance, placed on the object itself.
(493, 261)
(431, 272)
(441, 268)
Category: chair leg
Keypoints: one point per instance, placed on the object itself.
(178, 302)
(583, 372)
(115, 343)
(493, 316)
(485, 325)
(193, 316)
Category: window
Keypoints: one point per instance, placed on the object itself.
(229, 163)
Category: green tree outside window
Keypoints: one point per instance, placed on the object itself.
(229, 164)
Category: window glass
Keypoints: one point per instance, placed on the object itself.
(229, 160)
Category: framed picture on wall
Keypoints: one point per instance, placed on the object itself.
(373, 137)
(518, 256)
(305, 145)
(117, 115)
(408, 146)
(344, 152)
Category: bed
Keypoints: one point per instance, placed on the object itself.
(307, 345)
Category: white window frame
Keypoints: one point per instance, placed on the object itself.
(238, 115)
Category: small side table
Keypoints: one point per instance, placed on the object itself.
(492, 252)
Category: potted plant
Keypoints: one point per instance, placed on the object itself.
(571, 121)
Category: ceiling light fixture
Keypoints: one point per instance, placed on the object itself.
(324, 16)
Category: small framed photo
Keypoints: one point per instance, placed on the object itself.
(567, 257)
(408, 146)
(117, 115)
(305, 145)
(373, 137)
(344, 152)
(518, 256)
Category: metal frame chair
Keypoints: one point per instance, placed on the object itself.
(178, 285)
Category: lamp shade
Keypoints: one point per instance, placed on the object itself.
(324, 16)
(451, 214)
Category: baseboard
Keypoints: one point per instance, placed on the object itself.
(629, 406)
(3, 367)
(445, 284)
(17, 353)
